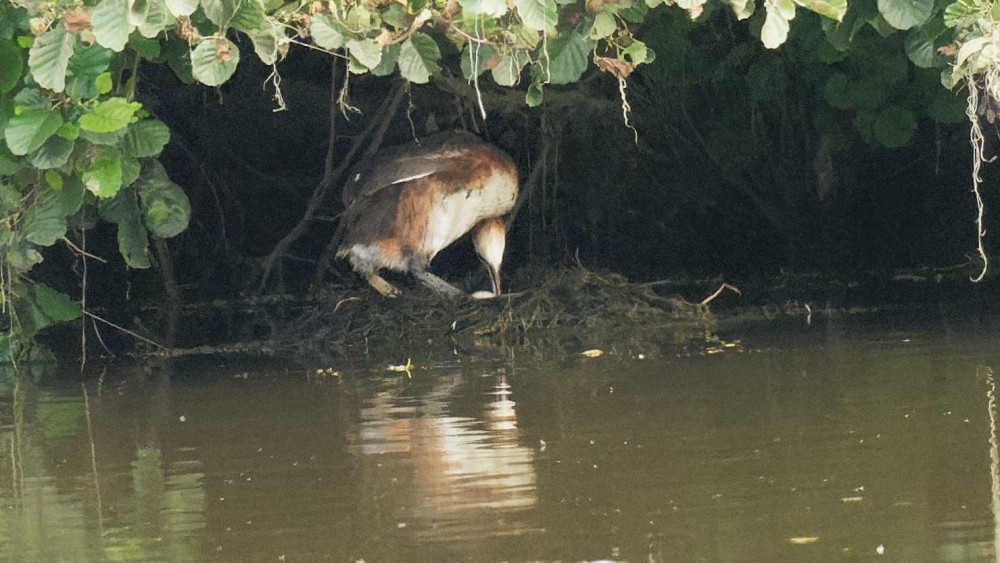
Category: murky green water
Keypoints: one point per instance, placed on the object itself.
(843, 441)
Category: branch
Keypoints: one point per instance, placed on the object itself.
(376, 131)
(331, 175)
(534, 179)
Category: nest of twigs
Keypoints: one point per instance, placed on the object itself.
(563, 310)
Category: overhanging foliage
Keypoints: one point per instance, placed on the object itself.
(75, 146)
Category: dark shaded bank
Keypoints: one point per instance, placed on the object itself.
(555, 313)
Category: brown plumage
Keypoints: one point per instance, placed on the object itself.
(408, 202)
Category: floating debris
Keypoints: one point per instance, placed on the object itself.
(403, 368)
(803, 540)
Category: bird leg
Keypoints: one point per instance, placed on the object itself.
(437, 284)
(382, 286)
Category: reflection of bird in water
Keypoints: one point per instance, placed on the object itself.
(407, 203)
(465, 480)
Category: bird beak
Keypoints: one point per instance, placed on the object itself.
(494, 277)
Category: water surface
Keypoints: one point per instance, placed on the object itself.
(846, 440)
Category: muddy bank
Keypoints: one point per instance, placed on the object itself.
(557, 312)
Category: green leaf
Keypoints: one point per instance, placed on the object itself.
(131, 167)
(85, 66)
(9, 164)
(68, 131)
(137, 12)
(326, 33)
(147, 48)
(366, 51)
(110, 115)
(178, 57)
(110, 24)
(894, 127)
(833, 9)
(508, 70)
(960, 14)
(535, 95)
(249, 16)
(475, 56)
(181, 7)
(904, 14)
(156, 22)
(11, 65)
(39, 306)
(525, 39)
(49, 58)
(492, 8)
(73, 191)
(540, 15)
(22, 256)
(53, 154)
(690, 4)
(604, 26)
(568, 57)
(637, 53)
(103, 83)
(145, 138)
(106, 139)
(388, 63)
(54, 180)
(921, 47)
(165, 206)
(395, 15)
(636, 13)
(214, 60)
(265, 43)
(786, 8)
(359, 20)
(775, 30)
(32, 98)
(418, 57)
(219, 12)
(133, 243)
(743, 8)
(104, 176)
(27, 132)
(44, 221)
(10, 200)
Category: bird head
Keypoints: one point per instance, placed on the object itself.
(489, 238)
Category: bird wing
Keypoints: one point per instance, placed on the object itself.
(404, 163)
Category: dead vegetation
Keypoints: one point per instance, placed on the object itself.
(562, 311)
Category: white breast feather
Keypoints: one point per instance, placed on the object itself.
(458, 212)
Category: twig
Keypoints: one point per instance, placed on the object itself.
(345, 300)
(125, 330)
(722, 288)
(319, 192)
(330, 177)
(100, 339)
(83, 295)
(531, 183)
(83, 252)
(375, 131)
